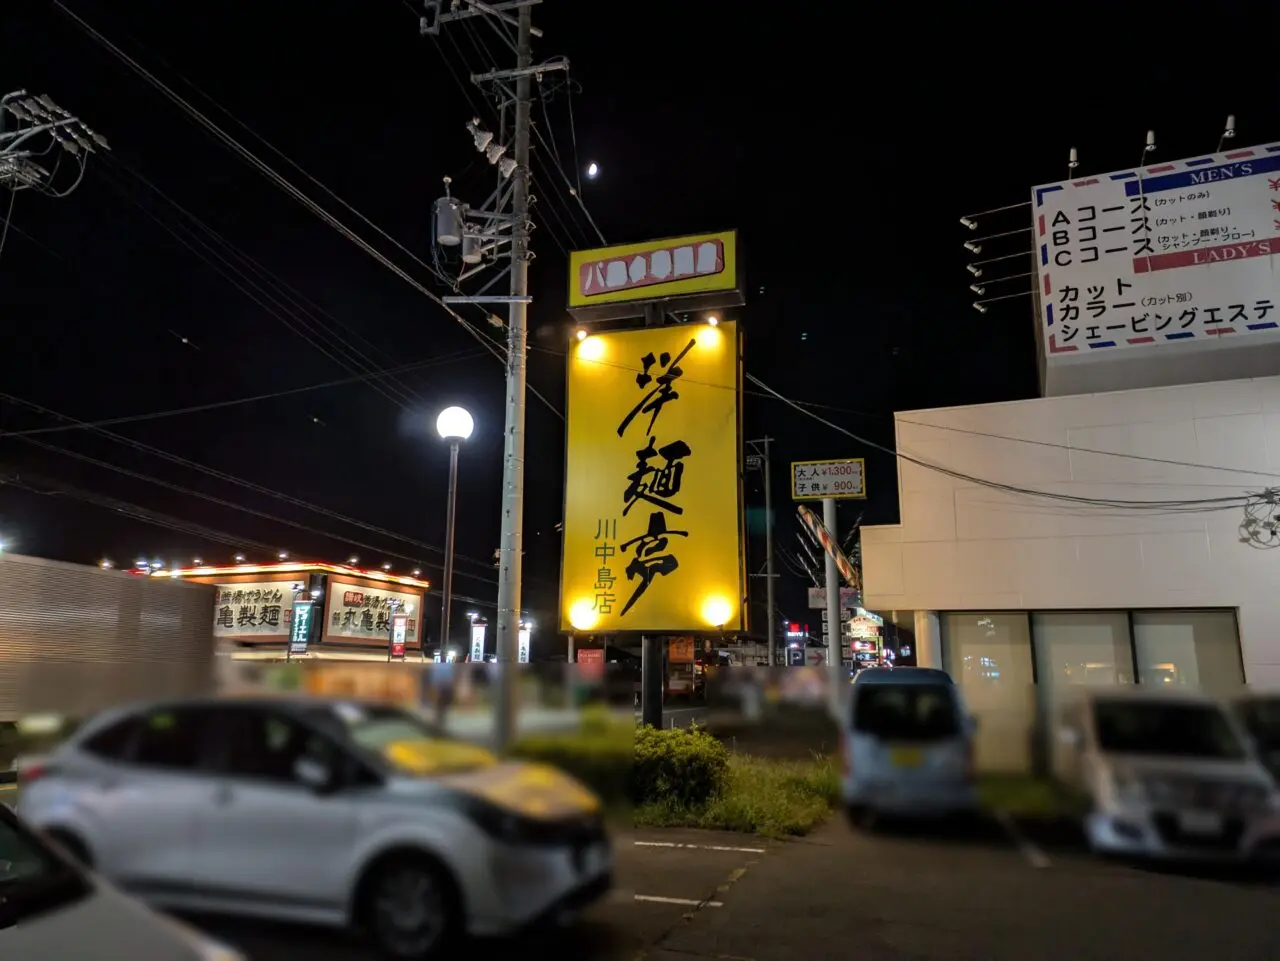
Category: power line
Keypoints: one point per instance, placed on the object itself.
(1189, 505)
(212, 472)
(289, 188)
(456, 357)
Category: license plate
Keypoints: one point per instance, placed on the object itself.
(1200, 822)
(906, 757)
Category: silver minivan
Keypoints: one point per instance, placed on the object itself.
(1168, 775)
(907, 746)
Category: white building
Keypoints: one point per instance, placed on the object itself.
(1021, 597)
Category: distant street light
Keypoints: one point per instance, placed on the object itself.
(454, 425)
(593, 170)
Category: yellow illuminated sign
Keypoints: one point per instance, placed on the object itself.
(653, 522)
(697, 264)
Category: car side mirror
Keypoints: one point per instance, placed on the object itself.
(313, 774)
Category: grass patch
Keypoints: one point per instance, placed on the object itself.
(772, 798)
(1027, 797)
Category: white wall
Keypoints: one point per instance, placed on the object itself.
(962, 546)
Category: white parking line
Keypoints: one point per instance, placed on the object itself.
(698, 847)
(687, 902)
(1035, 857)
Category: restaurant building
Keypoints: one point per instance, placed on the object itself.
(352, 617)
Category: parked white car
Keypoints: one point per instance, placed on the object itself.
(907, 744)
(52, 909)
(322, 811)
(1169, 775)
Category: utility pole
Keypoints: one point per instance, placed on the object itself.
(481, 234)
(652, 646)
(511, 558)
(770, 574)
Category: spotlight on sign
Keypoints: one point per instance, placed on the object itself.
(582, 615)
(716, 611)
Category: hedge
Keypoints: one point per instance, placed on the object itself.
(625, 765)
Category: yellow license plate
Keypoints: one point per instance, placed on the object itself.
(906, 757)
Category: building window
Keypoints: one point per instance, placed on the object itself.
(1082, 649)
(1196, 650)
(989, 655)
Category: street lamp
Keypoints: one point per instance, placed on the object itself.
(454, 425)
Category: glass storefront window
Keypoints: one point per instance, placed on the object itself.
(1082, 648)
(1194, 650)
(989, 656)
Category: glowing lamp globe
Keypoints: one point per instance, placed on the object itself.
(454, 423)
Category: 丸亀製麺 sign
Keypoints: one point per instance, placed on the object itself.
(1174, 252)
(819, 479)
(698, 264)
(653, 522)
(261, 609)
(364, 612)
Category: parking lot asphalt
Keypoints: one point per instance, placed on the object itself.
(890, 894)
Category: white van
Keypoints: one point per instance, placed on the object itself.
(1169, 774)
(907, 746)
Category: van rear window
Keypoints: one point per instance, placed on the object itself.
(906, 712)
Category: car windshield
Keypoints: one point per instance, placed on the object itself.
(407, 743)
(906, 712)
(1261, 718)
(1166, 729)
(33, 878)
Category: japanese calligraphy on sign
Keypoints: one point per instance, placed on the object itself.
(366, 612)
(653, 523)
(839, 479)
(1168, 253)
(261, 609)
(698, 264)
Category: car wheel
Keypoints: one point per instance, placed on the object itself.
(72, 846)
(410, 908)
(859, 816)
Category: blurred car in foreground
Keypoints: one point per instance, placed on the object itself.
(1259, 714)
(332, 812)
(51, 909)
(1169, 775)
(907, 745)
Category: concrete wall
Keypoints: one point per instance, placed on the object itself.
(966, 547)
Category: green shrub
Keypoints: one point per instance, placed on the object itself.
(683, 766)
(773, 798)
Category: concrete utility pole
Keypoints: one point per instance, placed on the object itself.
(511, 546)
(482, 233)
(775, 657)
(653, 646)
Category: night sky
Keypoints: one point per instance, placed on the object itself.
(844, 148)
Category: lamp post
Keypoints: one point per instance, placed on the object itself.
(455, 425)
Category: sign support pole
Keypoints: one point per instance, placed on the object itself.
(651, 659)
(835, 666)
